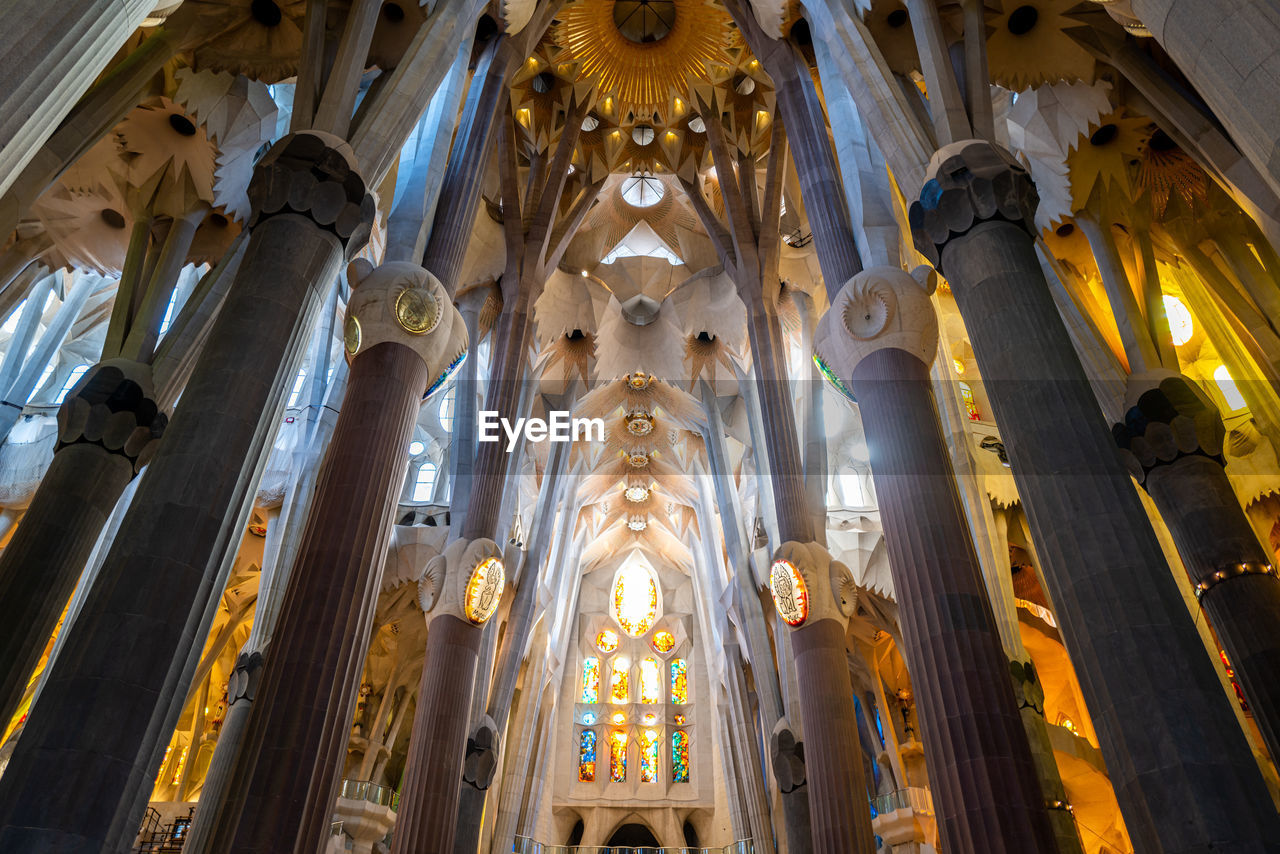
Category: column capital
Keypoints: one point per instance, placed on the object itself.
(1167, 417)
(466, 581)
(314, 174)
(114, 406)
(967, 183)
(402, 303)
(808, 586)
(880, 308)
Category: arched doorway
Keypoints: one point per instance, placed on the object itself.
(632, 836)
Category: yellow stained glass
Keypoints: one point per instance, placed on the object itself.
(664, 641)
(635, 600)
(679, 681)
(618, 756)
(649, 756)
(607, 640)
(620, 681)
(650, 681)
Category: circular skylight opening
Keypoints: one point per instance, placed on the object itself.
(590, 123)
(642, 134)
(644, 21)
(697, 125)
(643, 191)
(416, 448)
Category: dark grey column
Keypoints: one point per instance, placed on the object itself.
(107, 427)
(1173, 435)
(1182, 770)
(92, 742)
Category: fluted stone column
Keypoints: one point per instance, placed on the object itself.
(107, 429)
(1182, 770)
(96, 734)
(1172, 436)
(461, 591)
(882, 333)
(403, 336)
(815, 596)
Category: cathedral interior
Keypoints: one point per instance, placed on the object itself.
(609, 426)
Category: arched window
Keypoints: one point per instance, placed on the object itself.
(680, 756)
(74, 377)
(650, 682)
(618, 756)
(296, 393)
(1227, 385)
(169, 311)
(591, 680)
(635, 599)
(447, 408)
(1181, 326)
(620, 682)
(679, 681)
(970, 402)
(649, 756)
(587, 756)
(425, 483)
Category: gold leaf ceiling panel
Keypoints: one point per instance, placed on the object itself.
(644, 75)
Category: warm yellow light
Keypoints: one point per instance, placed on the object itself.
(484, 590)
(618, 717)
(1181, 326)
(635, 600)
(959, 365)
(1227, 385)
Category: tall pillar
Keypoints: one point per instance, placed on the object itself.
(1182, 770)
(403, 337)
(96, 734)
(815, 596)
(467, 582)
(1172, 436)
(49, 55)
(882, 333)
(107, 429)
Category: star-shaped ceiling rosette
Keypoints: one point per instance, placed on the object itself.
(645, 55)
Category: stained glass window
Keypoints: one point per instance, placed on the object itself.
(680, 756)
(664, 641)
(649, 756)
(635, 600)
(618, 756)
(607, 640)
(591, 680)
(587, 757)
(620, 682)
(970, 403)
(679, 681)
(650, 681)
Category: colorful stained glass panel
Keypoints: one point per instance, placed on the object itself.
(607, 640)
(664, 641)
(680, 756)
(650, 681)
(587, 757)
(649, 756)
(679, 681)
(635, 600)
(591, 680)
(620, 681)
(618, 756)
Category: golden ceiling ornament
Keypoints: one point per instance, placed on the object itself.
(417, 311)
(1164, 170)
(639, 423)
(1104, 157)
(351, 335)
(638, 461)
(643, 75)
(1029, 46)
(702, 352)
(639, 379)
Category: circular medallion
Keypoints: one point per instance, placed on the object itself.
(639, 380)
(638, 461)
(790, 596)
(351, 335)
(417, 311)
(639, 423)
(607, 640)
(484, 590)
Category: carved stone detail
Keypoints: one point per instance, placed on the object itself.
(786, 755)
(967, 183)
(881, 307)
(481, 761)
(830, 592)
(1169, 417)
(245, 677)
(113, 406)
(403, 303)
(315, 175)
(443, 590)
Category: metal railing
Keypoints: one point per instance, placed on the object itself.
(914, 798)
(363, 790)
(525, 845)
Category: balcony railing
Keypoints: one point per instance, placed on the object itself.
(525, 845)
(363, 790)
(914, 798)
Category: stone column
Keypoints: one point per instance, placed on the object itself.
(107, 429)
(815, 596)
(403, 338)
(95, 737)
(461, 591)
(1182, 770)
(1172, 436)
(882, 333)
(49, 55)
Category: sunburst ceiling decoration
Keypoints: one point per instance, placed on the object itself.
(1103, 159)
(1028, 45)
(644, 75)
